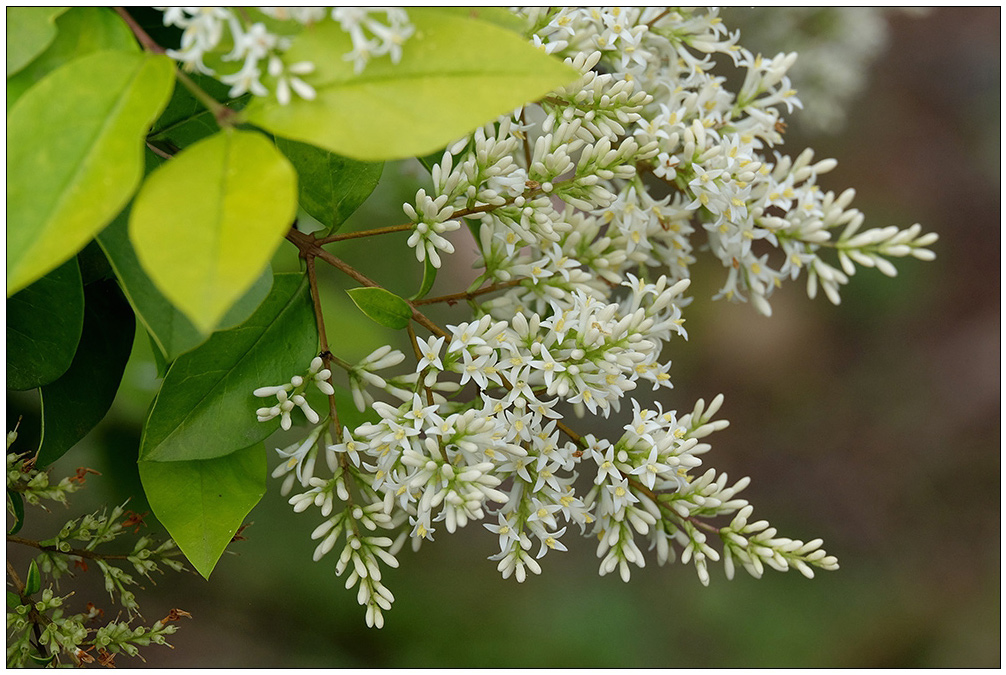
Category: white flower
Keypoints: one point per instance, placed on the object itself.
(296, 454)
(506, 531)
(551, 541)
(429, 349)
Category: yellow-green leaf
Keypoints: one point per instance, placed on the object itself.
(80, 31)
(206, 223)
(75, 155)
(29, 31)
(455, 74)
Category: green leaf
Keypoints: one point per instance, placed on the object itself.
(81, 30)
(94, 266)
(16, 509)
(185, 120)
(75, 155)
(500, 16)
(29, 31)
(205, 407)
(382, 306)
(455, 74)
(79, 399)
(33, 582)
(202, 503)
(169, 329)
(42, 660)
(13, 599)
(206, 223)
(43, 327)
(330, 187)
(428, 161)
(429, 276)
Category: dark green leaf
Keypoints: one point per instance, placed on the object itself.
(81, 30)
(205, 407)
(43, 327)
(185, 120)
(169, 329)
(42, 660)
(160, 362)
(475, 227)
(330, 187)
(433, 158)
(382, 306)
(202, 503)
(33, 582)
(13, 599)
(94, 266)
(29, 31)
(429, 276)
(79, 399)
(16, 509)
(75, 155)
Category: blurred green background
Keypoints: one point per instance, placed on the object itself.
(874, 425)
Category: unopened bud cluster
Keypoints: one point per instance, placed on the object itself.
(292, 394)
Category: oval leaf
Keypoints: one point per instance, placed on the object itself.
(202, 503)
(105, 345)
(205, 407)
(382, 306)
(204, 251)
(81, 30)
(330, 187)
(75, 155)
(29, 31)
(43, 327)
(171, 332)
(455, 74)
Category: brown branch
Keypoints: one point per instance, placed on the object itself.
(309, 247)
(651, 22)
(18, 584)
(527, 143)
(78, 552)
(326, 354)
(140, 34)
(575, 437)
(468, 295)
(223, 115)
(405, 227)
(157, 151)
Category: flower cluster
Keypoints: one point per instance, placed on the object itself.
(588, 209)
(245, 48)
(291, 394)
(626, 167)
(837, 47)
